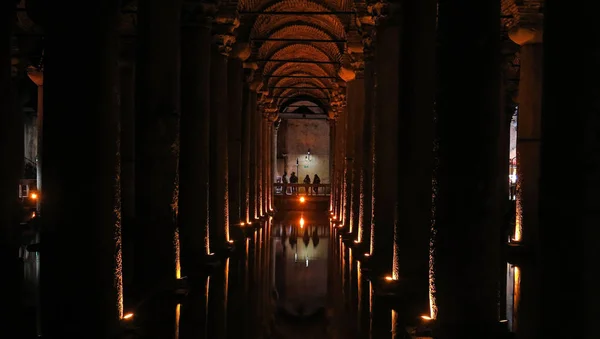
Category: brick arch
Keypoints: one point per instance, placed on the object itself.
(299, 52)
(314, 95)
(264, 25)
(307, 84)
(281, 82)
(257, 5)
(302, 30)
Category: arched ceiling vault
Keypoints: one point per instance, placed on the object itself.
(309, 47)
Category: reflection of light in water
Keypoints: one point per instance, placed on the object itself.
(359, 285)
(177, 316)
(306, 261)
(177, 244)
(226, 282)
(519, 219)
(371, 306)
(207, 294)
(516, 295)
(394, 324)
(296, 257)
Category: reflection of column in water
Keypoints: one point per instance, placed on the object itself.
(194, 317)
(380, 317)
(177, 318)
(217, 303)
(363, 311)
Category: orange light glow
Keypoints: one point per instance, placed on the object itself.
(426, 317)
(128, 316)
(389, 278)
(242, 223)
(356, 242)
(33, 215)
(230, 241)
(33, 196)
(301, 222)
(334, 217)
(367, 254)
(302, 200)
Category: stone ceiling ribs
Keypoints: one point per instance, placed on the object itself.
(298, 45)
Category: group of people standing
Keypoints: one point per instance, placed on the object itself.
(294, 180)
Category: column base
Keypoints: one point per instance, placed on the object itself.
(517, 253)
(497, 330)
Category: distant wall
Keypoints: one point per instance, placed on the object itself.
(295, 137)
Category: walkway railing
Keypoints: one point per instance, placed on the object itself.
(302, 189)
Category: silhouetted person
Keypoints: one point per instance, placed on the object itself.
(284, 179)
(307, 182)
(293, 180)
(316, 182)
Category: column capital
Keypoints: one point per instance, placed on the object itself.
(198, 13)
(225, 23)
(530, 29)
(385, 12)
(271, 114)
(241, 50)
(36, 75)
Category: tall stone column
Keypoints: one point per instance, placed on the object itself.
(529, 37)
(271, 116)
(12, 160)
(240, 52)
(253, 172)
(245, 153)
(469, 199)
(332, 181)
(219, 103)
(80, 189)
(194, 159)
(156, 143)
(259, 162)
(348, 163)
(356, 108)
(127, 152)
(37, 77)
(570, 149)
(385, 120)
(367, 139)
(415, 140)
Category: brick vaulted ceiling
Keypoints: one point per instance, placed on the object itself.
(305, 38)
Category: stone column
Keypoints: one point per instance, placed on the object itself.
(259, 162)
(271, 116)
(356, 109)
(274, 161)
(80, 189)
(469, 200)
(11, 127)
(348, 162)
(156, 143)
(570, 150)
(385, 134)
(529, 37)
(234, 129)
(37, 77)
(245, 151)
(367, 139)
(253, 173)
(194, 162)
(127, 152)
(332, 181)
(219, 103)
(415, 140)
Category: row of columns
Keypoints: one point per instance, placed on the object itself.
(448, 91)
(144, 146)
